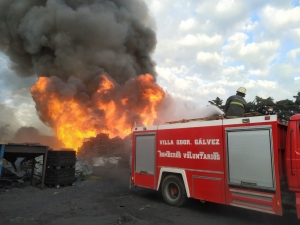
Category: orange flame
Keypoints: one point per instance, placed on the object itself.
(111, 109)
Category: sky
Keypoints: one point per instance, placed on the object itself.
(205, 49)
(210, 48)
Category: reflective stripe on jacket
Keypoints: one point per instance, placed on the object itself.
(237, 103)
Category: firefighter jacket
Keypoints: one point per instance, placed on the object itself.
(234, 106)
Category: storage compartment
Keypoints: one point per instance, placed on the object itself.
(145, 153)
(208, 189)
(250, 157)
(144, 160)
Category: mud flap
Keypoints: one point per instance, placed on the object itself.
(298, 205)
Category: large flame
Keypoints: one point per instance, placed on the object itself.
(111, 109)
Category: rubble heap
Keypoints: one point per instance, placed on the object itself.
(103, 146)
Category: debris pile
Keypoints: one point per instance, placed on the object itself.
(101, 150)
(82, 167)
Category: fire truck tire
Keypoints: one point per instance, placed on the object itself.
(173, 191)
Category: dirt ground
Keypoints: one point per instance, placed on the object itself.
(105, 198)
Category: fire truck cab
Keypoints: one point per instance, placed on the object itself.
(250, 162)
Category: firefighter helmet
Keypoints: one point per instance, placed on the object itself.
(241, 90)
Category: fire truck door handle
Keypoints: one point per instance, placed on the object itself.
(291, 151)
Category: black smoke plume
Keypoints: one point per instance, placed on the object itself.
(74, 43)
(78, 38)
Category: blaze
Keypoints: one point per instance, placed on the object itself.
(110, 109)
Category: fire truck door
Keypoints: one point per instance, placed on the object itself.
(145, 160)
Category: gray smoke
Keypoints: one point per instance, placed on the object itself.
(8, 122)
(78, 38)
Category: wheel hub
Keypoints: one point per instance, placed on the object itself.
(174, 191)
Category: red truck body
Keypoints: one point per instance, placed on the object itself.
(252, 162)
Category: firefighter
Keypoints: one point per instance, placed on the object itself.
(235, 104)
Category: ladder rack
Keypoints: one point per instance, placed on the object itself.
(211, 118)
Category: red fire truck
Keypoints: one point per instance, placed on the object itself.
(250, 162)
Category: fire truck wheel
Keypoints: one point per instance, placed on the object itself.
(173, 191)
